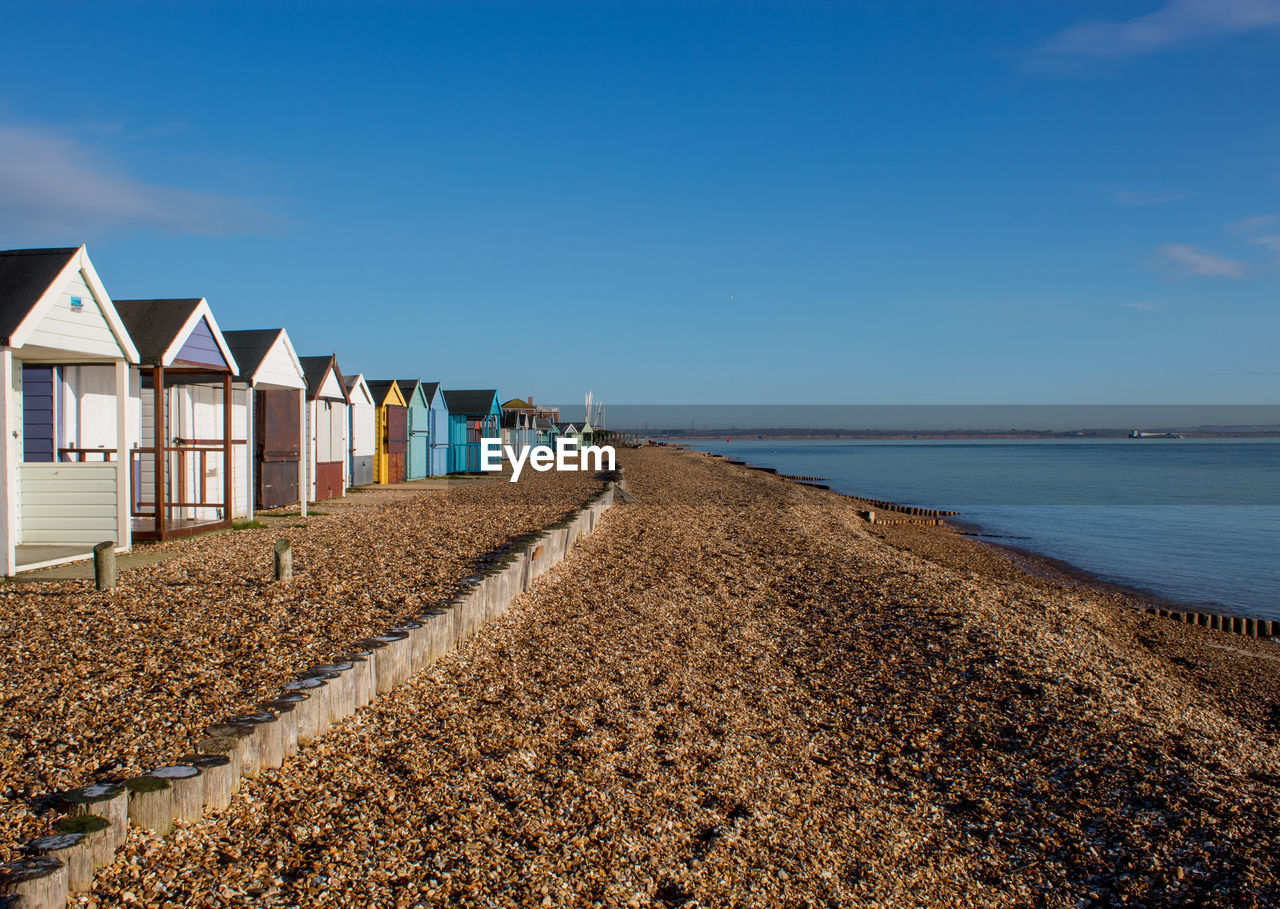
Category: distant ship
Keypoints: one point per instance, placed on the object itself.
(1138, 434)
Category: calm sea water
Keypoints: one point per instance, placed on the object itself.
(1196, 521)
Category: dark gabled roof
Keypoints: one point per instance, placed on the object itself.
(25, 274)
(249, 348)
(407, 387)
(154, 324)
(315, 369)
(542, 424)
(470, 401)
(380, 388)
(429, 391)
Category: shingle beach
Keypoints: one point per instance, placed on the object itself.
(734, 692)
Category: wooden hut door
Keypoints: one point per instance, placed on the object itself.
(397, 442)
(277, 419)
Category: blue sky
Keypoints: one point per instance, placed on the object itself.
(681, 202)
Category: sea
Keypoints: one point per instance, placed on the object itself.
(1187, 521)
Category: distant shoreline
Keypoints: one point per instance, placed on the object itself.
(802, 435)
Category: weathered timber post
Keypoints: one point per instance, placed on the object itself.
(104, 565)
(249, 755)
(95, 833)
(104, 800)
(217, 783)
(391, 659)
(309, 708)
(215, 746)
(287, 720)
(284, 560)
(39, 883)
(73, 851)
(151, 803)
(265, 728)
(187, 790)
(362, 674)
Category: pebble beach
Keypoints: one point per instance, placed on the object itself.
(735, 692)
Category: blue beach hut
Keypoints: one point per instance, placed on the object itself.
(474, 414)
(438, 440)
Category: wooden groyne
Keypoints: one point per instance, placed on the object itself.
(98, 815)
(891, 514)
(1230, 624)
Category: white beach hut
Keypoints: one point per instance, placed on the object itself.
(269, 397)
(362, 419)
(182, 465)
(64, 372)
(327, 452)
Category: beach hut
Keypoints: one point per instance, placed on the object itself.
(517, 424)
(391, 431)
(474, 414)
(268, 399)
(182, 470)
(326, 425)
(545, 430)
(362, 417)
(65, 356)
(439, 456)
(417, 461)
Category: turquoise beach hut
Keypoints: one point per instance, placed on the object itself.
(417, 461)
(474, 414)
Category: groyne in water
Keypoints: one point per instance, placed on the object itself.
(893, 514)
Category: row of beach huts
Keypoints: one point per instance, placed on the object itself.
(215, 425)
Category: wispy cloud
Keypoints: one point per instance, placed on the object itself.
(1144, 305)
(52, 185)
(1131, 198)
(1177, 24)
(1271, 242)
(1193, 261)
(1251, 225)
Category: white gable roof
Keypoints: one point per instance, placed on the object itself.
(359, 392)
(331, 387)
(280, 367)
(77, 265)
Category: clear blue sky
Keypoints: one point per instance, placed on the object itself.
(681, 202)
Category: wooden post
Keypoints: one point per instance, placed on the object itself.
(187, 790)
(161, 457)
(10, 459)
(73, 850)
(104, 565)
(105, 800)
(284, 561)
(96, 835)
(228, 492)
(38, 883)
(251, 477)
(217, 780)
(124, 459)
(304, 466)
(151, 803)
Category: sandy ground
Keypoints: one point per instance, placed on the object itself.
(735, 693)
(100, 684)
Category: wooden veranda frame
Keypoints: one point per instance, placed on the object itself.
(159, 450)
